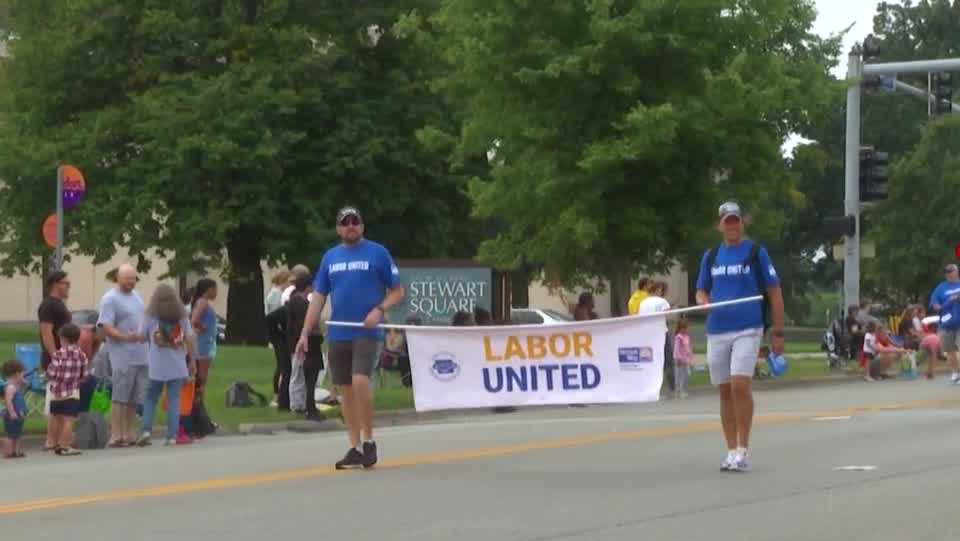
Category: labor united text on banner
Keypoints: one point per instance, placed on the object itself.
(600, 361)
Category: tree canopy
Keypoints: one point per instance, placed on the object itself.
(617, 127)
(223, 133)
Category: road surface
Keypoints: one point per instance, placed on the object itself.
(601, 473)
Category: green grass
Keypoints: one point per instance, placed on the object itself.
(255, 366)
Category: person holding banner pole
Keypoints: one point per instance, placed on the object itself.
(739, 268)
(363, 282)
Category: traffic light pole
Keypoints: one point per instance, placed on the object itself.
(856, 69)
(851, 201)
(922, 94)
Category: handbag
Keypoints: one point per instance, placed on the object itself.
(187, 393)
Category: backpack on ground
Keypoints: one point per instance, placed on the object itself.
(753, 260)
(198, 423)
(241, 395)
(90, 431)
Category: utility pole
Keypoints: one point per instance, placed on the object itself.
(856, 70)
(851, 200)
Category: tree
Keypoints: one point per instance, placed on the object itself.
(918, 233)
(908, 256)
(616, 127)
(223, 133)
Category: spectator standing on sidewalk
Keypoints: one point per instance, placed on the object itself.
(204, 321)
(633, 305)
(53, 315)
(66, 371)
(739, 268)
(170, 336)
(656, 302)
(121, 316)
(946, 291)
(682, 358)
(363, 283)
(585, 309)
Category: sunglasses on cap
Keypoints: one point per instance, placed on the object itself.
(350, 220)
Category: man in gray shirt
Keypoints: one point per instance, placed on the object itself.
(121, 316)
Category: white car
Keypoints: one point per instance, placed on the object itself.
(536, 316)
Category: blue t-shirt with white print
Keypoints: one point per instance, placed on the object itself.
(943, 293)
(356, 279)
(733, 278)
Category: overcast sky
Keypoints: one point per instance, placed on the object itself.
(835, 15)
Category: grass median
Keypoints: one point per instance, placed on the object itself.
(254, 365)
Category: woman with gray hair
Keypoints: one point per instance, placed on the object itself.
(170, 337)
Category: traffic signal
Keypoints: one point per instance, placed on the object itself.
(943, 93)
(839, 227)
(873, 174)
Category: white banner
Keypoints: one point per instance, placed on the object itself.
(617, 360)
(586, 362)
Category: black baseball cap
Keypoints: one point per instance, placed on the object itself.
(348, 211)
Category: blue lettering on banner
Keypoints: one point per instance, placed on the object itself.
(525, 379)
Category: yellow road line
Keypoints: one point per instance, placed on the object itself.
(444, 457)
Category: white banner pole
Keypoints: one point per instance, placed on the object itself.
(700, 308)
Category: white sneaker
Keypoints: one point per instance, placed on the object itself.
(170, 441)
(955, 379)
(741, 463)
(729, 463)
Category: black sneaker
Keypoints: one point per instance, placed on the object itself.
(369, 454)
(353, 459)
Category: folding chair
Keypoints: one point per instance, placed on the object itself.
(35, 392)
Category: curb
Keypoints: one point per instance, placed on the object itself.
(298, 427)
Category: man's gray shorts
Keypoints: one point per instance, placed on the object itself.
(358, 356)
(948, 340)
(733, 354)
(130, 384)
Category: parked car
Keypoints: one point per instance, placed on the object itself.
(87, 321)
(537, 316)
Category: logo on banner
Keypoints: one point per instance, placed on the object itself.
(445, 366)
(635, 357)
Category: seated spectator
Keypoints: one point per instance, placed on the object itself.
(886, 353)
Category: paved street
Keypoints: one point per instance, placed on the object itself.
(601, 473)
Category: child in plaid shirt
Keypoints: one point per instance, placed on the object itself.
(68, 368)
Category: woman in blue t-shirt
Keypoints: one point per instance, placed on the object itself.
(204, 321)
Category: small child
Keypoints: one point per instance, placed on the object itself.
(15, 407)
(67, 370)
(683, 359)
(869, 351)
(930, 346)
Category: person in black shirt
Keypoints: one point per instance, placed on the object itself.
(855, 332)
(52, 314)
(291, 317)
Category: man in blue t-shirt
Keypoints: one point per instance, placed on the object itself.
(737, 269)
(362, 282)
(940, 300)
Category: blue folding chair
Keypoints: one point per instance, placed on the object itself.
(35, 393)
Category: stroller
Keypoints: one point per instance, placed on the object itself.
(836, 344)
